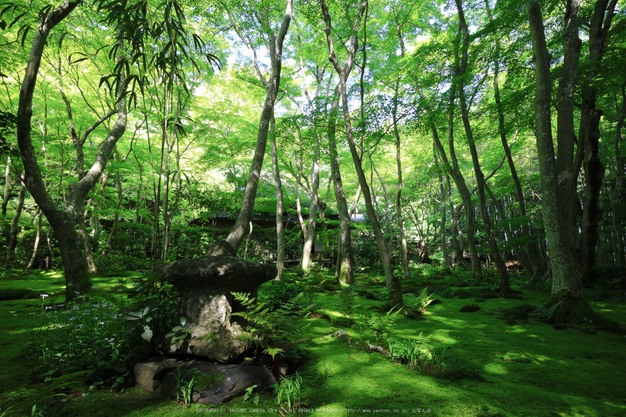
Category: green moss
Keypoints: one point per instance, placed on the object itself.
(208, 381)
(342, 376)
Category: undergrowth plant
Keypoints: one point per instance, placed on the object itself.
(184, 387)
(418, 302)
(274, 331)
(42, 397)
(379, 326)
(289, 391)
(410, 351)
(87, 335)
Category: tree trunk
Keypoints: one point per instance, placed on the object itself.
(62, 221)
(12, 244)
(8, 187)
(590, 135)
(567, 287)
(309, 241)
(299, 163)
(345, 255)
(118, 205)
(95, 216)
(393, 284)
(503, 276)
(280, 231)
(33, 257)
(403, 246)
(522, 255)
(618, 229)
(461, 186)
(275, 44)
(447, 259)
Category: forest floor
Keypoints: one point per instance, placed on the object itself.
(508, 363)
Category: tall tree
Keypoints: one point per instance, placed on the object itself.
(505, 287)
(61, 220)
(392, 282)
(589, 132)
(567, 288)
(274, 44)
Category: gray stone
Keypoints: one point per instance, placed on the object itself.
(205, 285)
(149, 374)
(223, 272)
(215, 384)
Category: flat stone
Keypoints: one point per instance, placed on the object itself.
(218, 272)
(215, 384)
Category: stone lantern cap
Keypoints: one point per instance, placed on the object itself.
(218, 272)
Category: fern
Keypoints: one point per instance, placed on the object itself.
(381, 326)
(418, 302)
(273, 331)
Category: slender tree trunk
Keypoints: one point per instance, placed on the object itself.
(167, 218)
(275, 44)
(12, 243)
(524, 256)
(345, 255)
(393, 284)
(618, 229)
(299, 163)
(503, 276)
(280, 231)
(139, 189)
(8, 187)
(118, 205)
(95, 216)
(447, 259)
(590, 135)
(309, 241)
(461, 186)
(33, 257)
(403, 246)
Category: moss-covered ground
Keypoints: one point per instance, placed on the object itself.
(517, 365)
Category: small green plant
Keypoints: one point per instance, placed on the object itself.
(184, 387)
(455, 361)
(418, 302)
(438, 355)
(380, 327)
(289, 392)
(250, 396)
(410, 351)
(274, 331)
(179, 334)
(145, 316)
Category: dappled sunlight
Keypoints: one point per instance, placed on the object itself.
(496, 369)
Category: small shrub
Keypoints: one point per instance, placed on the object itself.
(87, 335)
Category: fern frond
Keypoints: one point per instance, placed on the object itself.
(273, 352)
